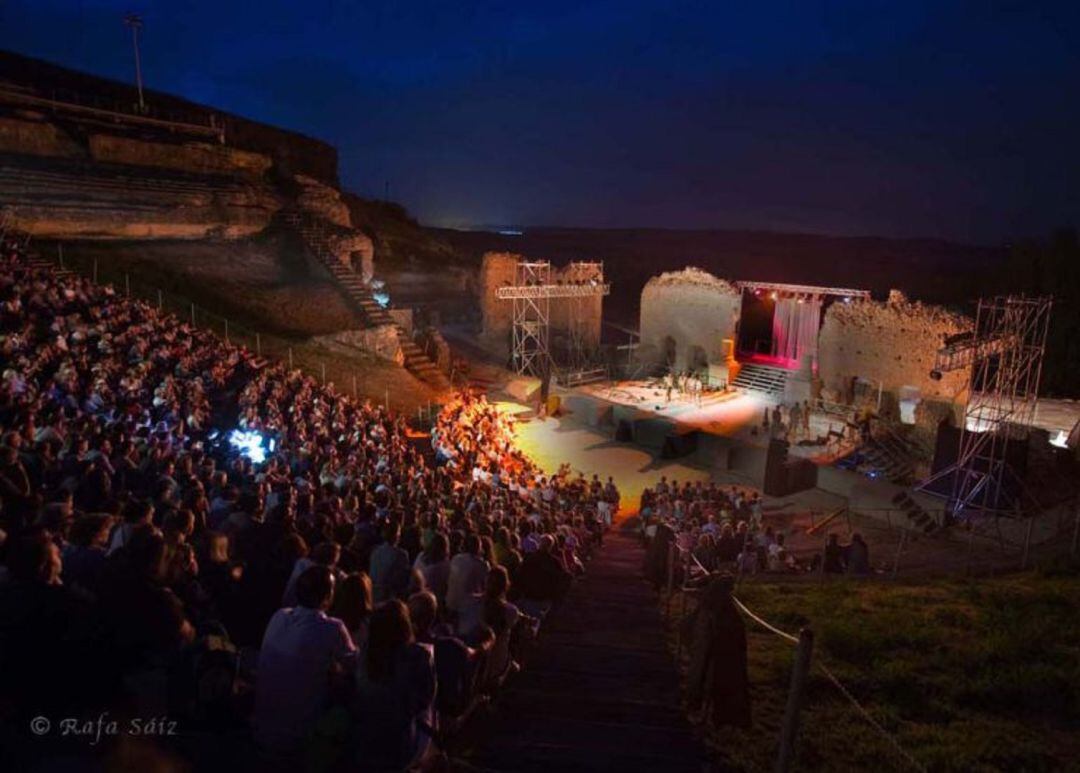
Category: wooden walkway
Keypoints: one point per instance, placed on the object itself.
(599, 691)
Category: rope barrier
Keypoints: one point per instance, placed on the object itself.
(870, 720)
(831, 677)
(763, 624)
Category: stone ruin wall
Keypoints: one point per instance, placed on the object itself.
(498, 269)
(894, 342)
(692, 307)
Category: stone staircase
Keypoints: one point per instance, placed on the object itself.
(762, 379)
(316, 237)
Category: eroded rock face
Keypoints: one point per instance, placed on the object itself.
(201, 157)
(349, 245)
(36, 137)
(381, 341)
(355, 250)
(322, 201)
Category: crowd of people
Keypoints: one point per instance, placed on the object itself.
(346, 599)
(723, 529)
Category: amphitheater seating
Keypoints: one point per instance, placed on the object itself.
(67, 185)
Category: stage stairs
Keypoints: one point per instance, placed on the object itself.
(316, 236)
(890, 457)
(763, 379)
(918, 516)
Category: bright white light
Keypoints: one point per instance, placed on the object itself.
(1061, 439)
(250, 444)
(383, 299)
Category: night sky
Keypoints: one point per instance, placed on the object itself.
(958, 120)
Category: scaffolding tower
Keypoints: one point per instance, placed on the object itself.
(1005, 354)
(531, 294)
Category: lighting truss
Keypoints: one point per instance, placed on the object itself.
(845, 292)
(531, 294)
(1005, 352)
(962, 354)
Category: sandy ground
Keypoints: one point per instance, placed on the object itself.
(555, 441)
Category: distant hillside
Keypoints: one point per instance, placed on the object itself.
(398, 238)
(931, 270)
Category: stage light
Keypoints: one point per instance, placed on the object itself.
(847, 299)
(773, 296)
(935, 375)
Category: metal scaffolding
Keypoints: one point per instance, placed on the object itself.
(531, 294)
(1005, 354)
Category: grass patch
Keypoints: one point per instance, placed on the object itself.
(967, 676)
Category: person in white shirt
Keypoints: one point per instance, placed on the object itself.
(302, 647)
(468, 575)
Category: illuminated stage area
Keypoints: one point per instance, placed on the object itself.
(719, 413)
(555, 441)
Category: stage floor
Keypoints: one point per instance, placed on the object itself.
(555, 441)
(728, 414)
(719, 413)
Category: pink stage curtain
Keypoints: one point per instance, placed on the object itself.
(795, 328)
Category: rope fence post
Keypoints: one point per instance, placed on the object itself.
(193, 314)
(354, 392)
(322, 371)
(1076, 530)
(258, 345)
(290, 359)
(226, 330)
(60, 254)
(1027, 543)
(789, 731)
(899, 550)
(127, 284)
(672, 551)
(160, 300)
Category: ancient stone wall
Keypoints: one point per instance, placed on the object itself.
(36, 137)
(200, 157)
(692, 312)
(893, 343)
(499, 269)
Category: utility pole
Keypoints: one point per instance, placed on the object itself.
(134, 21)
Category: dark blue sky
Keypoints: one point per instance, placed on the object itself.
(954, 119)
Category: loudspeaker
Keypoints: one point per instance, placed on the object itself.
(785, 476)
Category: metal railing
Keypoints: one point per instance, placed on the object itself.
(115, 114)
